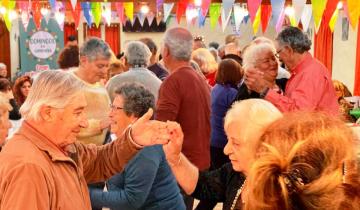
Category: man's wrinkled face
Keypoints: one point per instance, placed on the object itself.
(69, 120)
(3, 72)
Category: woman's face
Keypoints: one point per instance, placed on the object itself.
(4, 126)
(268, 63)
(241, 144)
(25, 88)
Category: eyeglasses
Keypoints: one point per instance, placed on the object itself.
(277, 54)
(199, 38)
(114, 108)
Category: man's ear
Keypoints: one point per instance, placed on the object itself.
(47, 113)
(165, 52)
(83, 60)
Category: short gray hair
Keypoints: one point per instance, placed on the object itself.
(179, 41)
(53, 88)
(2, 66)
(137, 54)
(95, 48)
(137, 99)
(252, 52)
(295, 38)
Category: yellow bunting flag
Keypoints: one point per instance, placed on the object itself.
(354, 12)
(8, 19)
(214, 12)
(96, 12)
(318, 10)
(333, 19)
(257, 21)
(129, 10)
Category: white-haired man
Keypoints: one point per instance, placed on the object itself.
(3, 70)
(95, 57)
(43, 167)
(137, 58)
(184, 97)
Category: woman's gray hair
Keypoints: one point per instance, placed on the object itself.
(54, 88)
(253, 51)
(137, 99)
(137, 54)
(295, 38)
(95, 48)
(179, 41)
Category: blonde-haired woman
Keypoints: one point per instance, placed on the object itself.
(305, 161)
(207, 64)
(5, 124)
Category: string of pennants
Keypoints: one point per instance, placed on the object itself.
(195, 11)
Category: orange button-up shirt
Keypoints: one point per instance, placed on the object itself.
(309, 88)
(36, 174)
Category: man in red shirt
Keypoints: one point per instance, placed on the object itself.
(184, 97)
(309, 87)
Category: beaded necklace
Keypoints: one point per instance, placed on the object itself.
(238, 193)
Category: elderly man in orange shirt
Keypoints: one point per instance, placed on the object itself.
(44, 167)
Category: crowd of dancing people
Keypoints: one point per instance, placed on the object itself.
(255, 127)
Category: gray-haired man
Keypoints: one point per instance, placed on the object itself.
(43, 167)
(137, 58)
(3, 70)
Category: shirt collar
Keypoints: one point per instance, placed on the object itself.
(42, 142)
(304, 62)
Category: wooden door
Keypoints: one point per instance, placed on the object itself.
(5, 46)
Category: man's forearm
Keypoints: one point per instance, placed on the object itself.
(186, 173)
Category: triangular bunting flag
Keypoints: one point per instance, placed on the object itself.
(318, 10)
(354, 12)
(129, 10)
(298, 6)
(253, 7)
(201, 19)
(265, 16)
(150, 17)
(106, 12)
(214, 12)
(52, 4)
(224, 18)
(8, 19)
(277, 8)
(76, 14)
(239, 14)
(333, 20)
(120, 11)
(167, 10)
(86, 10)
(329, 12)
(280, 21)
(96, 12)
(25, 15)
(141, 18)
(191, 13)
(226, 11)
(306, 17)
(205, 7)
(257, 20)
(73, 4)
(181, 9)
(36, 14)
(159, 4)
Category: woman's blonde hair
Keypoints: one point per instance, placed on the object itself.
(300, 165)
(205, 60)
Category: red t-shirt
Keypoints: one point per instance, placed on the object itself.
(184, 97)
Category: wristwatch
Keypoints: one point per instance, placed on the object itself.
(264, 92)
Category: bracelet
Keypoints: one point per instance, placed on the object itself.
(175, 164)
(132, 140)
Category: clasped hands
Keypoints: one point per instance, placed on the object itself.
(146, 132)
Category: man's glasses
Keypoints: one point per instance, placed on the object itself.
(114, 108)
(277, 54)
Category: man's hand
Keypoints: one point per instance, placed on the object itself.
(254, 80)
(146, 132)
(172, 149)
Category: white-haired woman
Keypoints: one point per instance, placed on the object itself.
(261, 55)
(222, 185)
(207, 64)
